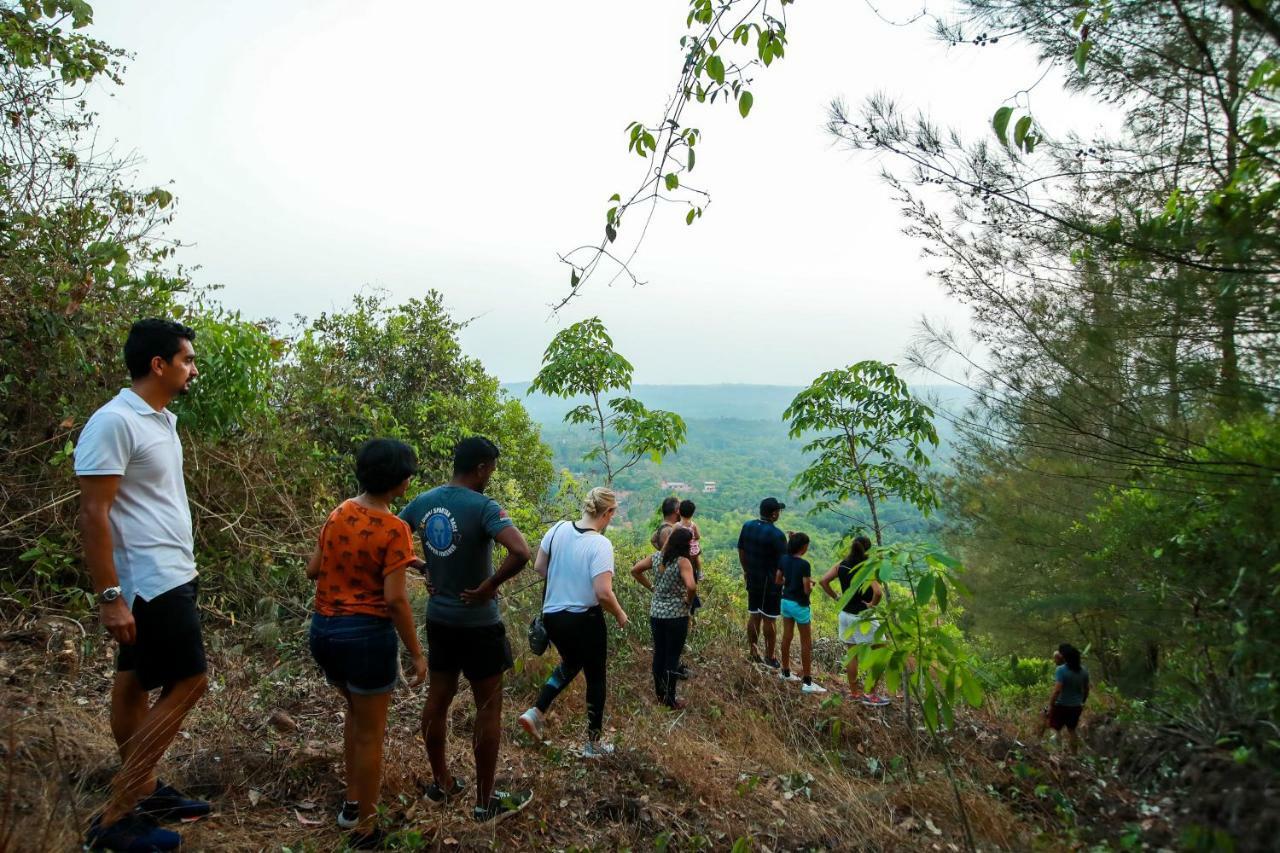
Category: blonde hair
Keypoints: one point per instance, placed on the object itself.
(599, 501)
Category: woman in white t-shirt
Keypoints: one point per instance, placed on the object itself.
(577, 560)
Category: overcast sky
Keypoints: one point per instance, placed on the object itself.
(317, 148)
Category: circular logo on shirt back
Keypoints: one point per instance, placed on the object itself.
(440, 532)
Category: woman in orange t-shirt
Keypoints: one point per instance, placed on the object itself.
(361, 604)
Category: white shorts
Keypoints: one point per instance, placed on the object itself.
(851, 632)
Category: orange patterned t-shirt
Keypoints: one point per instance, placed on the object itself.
(359, 547)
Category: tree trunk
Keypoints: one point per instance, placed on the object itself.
(604, 443)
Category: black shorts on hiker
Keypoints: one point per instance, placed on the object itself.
(764, 597)
(477, 651)
(357, 653)
(1064, 715)
(169, 646)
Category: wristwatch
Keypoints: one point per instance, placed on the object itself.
(109, 595)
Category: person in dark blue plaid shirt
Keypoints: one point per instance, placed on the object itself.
(760, 546)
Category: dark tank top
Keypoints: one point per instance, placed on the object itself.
(861, 600)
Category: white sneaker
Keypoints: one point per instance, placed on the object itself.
(813, 687)
(531, 722)
(597, 749)
(789, 676)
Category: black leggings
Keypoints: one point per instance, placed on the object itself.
(668, 642)
(583, 644)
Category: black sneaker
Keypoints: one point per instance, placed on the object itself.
(502, 805)
(773, 663)
(133, 832)
(374, 839)
(349, 814)
(682, 672)
(437, 794)
(168, 803)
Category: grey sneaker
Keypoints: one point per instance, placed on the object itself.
(532, 722)
(502, 805)
(597, 749)
(349, 814)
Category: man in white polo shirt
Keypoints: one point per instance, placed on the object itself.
(136, 526)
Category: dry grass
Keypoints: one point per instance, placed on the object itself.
(751, 758)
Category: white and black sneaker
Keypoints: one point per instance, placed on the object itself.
(502, 805)
(349, 814)
(788, 675)
(812, 687)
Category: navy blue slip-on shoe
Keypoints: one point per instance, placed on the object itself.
(168, 803)
(133, 833)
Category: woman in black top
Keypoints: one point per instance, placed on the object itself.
(853, 617)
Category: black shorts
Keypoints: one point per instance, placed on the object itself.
(477, 651)
(1064, 715)
(169, 646)
(764, 598)
(358, 653)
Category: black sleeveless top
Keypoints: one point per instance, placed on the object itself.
(860, 600)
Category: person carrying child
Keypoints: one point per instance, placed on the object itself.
(361, 604)
(794, 576)
(673, 587)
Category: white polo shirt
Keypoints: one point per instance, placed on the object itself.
(150, 518)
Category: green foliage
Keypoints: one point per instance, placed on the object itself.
(581, 361)
(716, 59)
(237, 361)
(921, 648)
(874, 442)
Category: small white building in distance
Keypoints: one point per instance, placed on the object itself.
(709, 486)
(675, 486)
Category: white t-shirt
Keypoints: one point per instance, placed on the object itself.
(150, 517)
(576, 559)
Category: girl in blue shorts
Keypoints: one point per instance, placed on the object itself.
(794, 575)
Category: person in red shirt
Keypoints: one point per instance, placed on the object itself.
(361, 604)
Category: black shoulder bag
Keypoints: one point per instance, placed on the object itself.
(538, 640)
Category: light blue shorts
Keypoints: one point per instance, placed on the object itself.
(796, 611)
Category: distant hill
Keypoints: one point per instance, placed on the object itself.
(703, 402)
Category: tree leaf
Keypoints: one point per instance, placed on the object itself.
(1001, 124)
(1020, 130)
(611, 233)
(924, 590)
(1082, 54)
(672, 181)
(715, 68)
(744, 103)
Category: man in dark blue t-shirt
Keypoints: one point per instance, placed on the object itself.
(760, 546)
(465, 635)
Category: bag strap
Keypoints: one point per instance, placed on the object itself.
(550, 543)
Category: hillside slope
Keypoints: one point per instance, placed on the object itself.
(752, 761)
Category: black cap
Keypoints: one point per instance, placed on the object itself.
(769, 505)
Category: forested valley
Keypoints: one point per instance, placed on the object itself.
(1095, 461)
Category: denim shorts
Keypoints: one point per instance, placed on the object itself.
(357, 653)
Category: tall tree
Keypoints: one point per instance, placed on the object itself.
(871, 443)
(580, 360)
